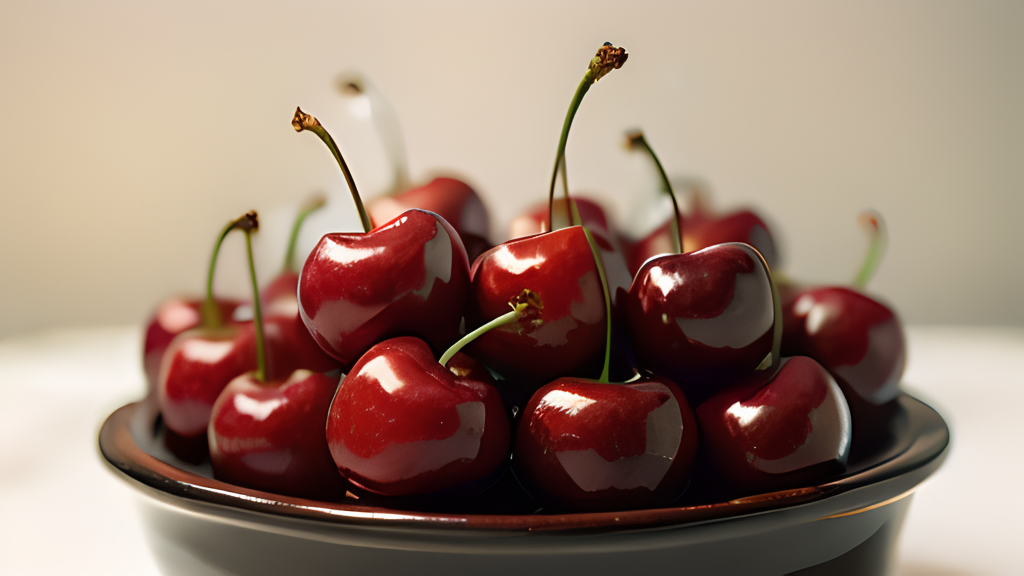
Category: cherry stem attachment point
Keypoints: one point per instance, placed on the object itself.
(636, 141)
(526, 304)
(772, 360)
(608, 58)
(301, 122)
(210, 314)
(250, 224)
(871, 221)
(598, 261)
(312, 205)
(367, 101)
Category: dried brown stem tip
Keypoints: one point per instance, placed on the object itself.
(870, 220)
(608, 58)
(634, 139)
(302, 121)
(249, 221)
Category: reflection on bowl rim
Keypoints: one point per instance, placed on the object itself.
(887, 477)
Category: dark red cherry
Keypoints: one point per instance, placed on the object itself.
(702, 319)
(559, 268)
(786, 429)
(270, 435)
(402, 424)
(408, 276)
(449, 198)
(585, 445)
(857, 338)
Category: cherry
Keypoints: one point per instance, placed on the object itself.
(263, 433)
(197, 365)
(704, 318)
(402, 423)
(783, 428)
(589, 445)
(407, 276)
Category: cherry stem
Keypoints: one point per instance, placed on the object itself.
(302, 121)
(871, 221)
(608, 58)
(385, 121)
(526, 303)
(249, 225)
(773, 359)
(210, 314)
(607, 306)
(636, 141)
(312, 205)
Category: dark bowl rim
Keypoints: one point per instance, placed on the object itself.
(913, 458)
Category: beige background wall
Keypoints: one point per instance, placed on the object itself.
(130, 131)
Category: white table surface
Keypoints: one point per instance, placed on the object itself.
(63, 512)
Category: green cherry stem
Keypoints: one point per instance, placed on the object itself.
(526, 304)
(872, 222)
(312, 205)
(608, 58)
(636, 141)
(250, 224)
(302, 121)
(772, 360)
(210, 313)
(607, 306)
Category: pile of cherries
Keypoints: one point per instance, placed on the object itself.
(599, 372)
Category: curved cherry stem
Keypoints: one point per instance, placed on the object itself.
(302, 121)
(250, 223)
(210, 314)
(526, 304)
(772, 360)
(312, 205)
(608, 58)
(871, 221)
(598, 261)
(385, 121)
(637, 141)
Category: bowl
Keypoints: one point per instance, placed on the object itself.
(197, 525)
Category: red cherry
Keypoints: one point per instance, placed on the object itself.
(782, 430)
(270, 435)
(704, 318)
(450, 199)
(401, 423)
(559, 268)
(588, 445)
(408, 276)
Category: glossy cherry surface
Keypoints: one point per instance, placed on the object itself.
(786, 429)
(409, 276)
(402, 424)
(270, 435)
(702, 319)
(558, 267)
(857, 338)
(197, 366)
(172, 317)
(586, 445)
(449, 198)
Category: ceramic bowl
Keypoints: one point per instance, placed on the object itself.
(197, 525)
